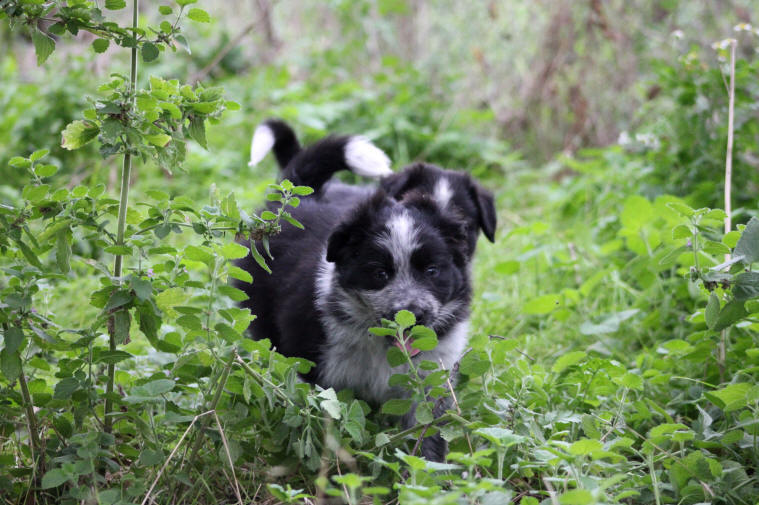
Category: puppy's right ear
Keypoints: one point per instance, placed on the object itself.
(352, 231)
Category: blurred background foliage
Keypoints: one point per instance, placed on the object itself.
(523, 80)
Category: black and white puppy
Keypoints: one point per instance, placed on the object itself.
(364, 254)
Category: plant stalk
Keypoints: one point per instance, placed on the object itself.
(728, 188)
(212, 406)
(31, 419)
(126, 172)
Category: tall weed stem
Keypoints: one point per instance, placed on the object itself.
(126, 173)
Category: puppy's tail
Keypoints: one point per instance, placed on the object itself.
(315, 165)
(274, 134)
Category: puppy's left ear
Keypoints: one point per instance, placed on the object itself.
(354, 229)
(485, 203)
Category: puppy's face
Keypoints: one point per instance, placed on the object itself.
(453, 191)
(409, 254)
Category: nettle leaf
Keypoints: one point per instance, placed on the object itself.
(158, 139)
(569, 359)
(54, 478)
(396, 406)
(405, 318)
(149, 52)
(165, 10)
(711, 313)
(100, 45)
(732, 397)
(10, 364)
(78, 133)
(43, 46)
(731, 313)
(748, 244)
(746, 286)
(13, 337)
(197, 131)
(542, 304)
(233, 251)
(63, 250)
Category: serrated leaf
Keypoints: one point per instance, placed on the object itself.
(233, 251)
(115, 4)
(396, 406)
(746, 286)
(13, 337)
(405, 318)
(100, 45)
(39, 154)
(748, 244)
(197, 131)
(53, 478)
(259, 259)
(731, 313)
(567, 360)
(10, 364)
(732, 397)
(542, 304)
(165, 10)
(711, 313)
(239, 274)
(196, 253)
(78, 133)
(43, 46)
(112, 357)
(149, 52)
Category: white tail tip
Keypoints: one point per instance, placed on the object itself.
(263, 141)
(364, 158)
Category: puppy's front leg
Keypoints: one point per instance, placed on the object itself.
(433, 448)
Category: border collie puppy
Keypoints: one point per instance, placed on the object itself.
(366, 253)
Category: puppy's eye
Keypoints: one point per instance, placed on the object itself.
(381, 274)
(432, 271)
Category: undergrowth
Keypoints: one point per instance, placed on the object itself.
(613, 354)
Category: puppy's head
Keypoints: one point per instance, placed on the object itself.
(454, 192)
(410, 254)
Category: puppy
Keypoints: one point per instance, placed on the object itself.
(365, 253)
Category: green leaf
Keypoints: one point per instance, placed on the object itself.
(567, 360)
(13, 337)
(39, 154)
(155, 388)
(405, 318)
(259, 259)
(233, 251)
(395, 356)
(681, 208)
(732, 397)
(65, 388)
(165, 10)
(746, 286)
(115, 5)
(731, 313)
(302, 190)
(474, 364)
(197, 131)
(609, 324)
(10, 364)
(748, 244)
(235, 294)
(636, 212)
(149, 52)
(143, 288)
(63, 251)
(53, 478)
(43, 46)
(111, 357)
(186, 2)
(78, 133)
(585, 447)
(576, 497)
(542, 304)
(30, 256)
(158, 139)
(196, 253)
(239, 274)
(681, 231)
(118, 298)
(100, 45)
(45, 170)
(121, 323)
(711, 313)
(423, 413)
(396, 406)
(199, 15)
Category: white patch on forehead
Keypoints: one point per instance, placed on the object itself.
(400, 239)
(442, 192)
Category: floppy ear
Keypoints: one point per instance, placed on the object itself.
(354, 229)
(486, 218)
